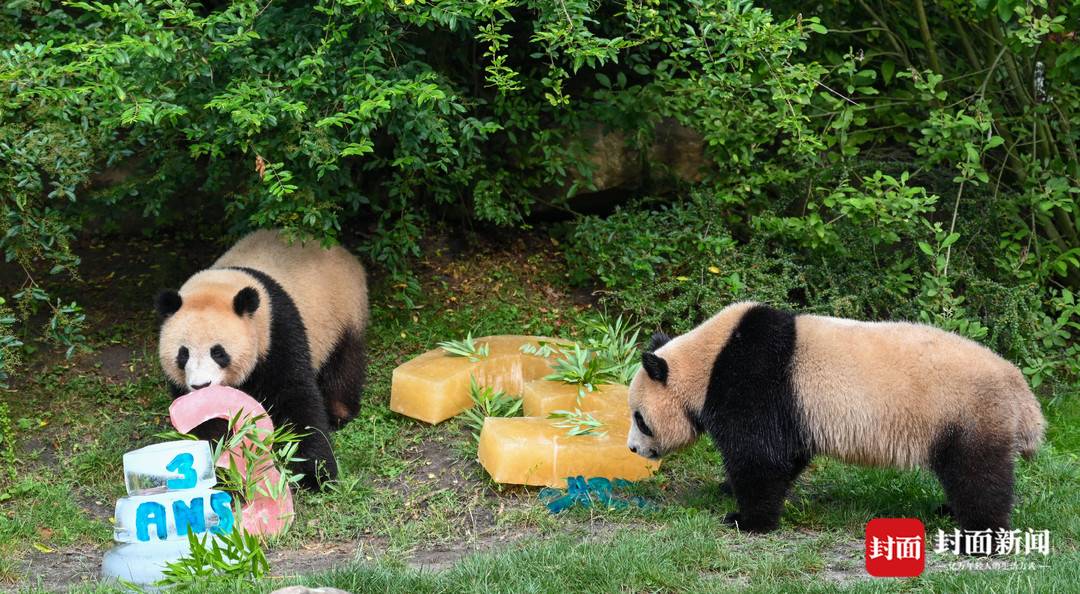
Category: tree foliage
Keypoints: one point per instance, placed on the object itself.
(935, 146)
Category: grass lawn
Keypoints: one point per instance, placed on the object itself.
(413, 511)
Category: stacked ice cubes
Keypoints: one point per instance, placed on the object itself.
(170, 493)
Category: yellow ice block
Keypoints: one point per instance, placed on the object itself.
(435, 386)
(600, 455)
(518, 450)
(543, 397)
(533, 451)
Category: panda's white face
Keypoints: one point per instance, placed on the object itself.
(659, 423)
(206, 342)
(199, 349)
(641, 440)
(661, 395)
(203, 367)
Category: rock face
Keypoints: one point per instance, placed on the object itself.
(677, 152)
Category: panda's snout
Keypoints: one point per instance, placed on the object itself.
(199, 386)
(642, 449)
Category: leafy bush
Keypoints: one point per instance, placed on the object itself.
(910, 163)
(310, 115)
(938, 190)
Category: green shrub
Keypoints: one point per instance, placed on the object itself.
(309, 116)
(892, 166)
(931, 189)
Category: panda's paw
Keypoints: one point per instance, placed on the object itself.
(310, 483)
(750, 524)
(316, 475)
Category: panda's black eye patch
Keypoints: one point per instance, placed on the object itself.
(182, 357)
(218, 354)
(640, 422)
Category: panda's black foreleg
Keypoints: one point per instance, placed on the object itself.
(341, 379)
(725, 487)
(319, 465)
(760, 487)
(306, 413)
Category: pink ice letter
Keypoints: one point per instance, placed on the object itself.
(262, 515)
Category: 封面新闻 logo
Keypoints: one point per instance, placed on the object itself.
(895, 547)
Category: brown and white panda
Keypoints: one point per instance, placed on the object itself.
(774, 389)
(283, 323)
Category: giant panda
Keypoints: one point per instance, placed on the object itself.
(283, 323)
(774, 389)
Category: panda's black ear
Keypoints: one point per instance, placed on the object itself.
(659, 339)
(246, 301)
(655, 367)
(167, 302)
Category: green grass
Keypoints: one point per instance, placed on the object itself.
(693, 554)
(407, 488)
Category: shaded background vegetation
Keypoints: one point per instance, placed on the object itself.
(875, 159)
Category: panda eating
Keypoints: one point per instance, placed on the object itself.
(283, 323)
(774, 389)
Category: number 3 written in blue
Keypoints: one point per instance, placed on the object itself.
(182, 464)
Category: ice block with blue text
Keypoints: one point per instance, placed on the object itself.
(170, 494)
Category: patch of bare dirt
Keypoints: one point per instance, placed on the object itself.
(315, 557)
(61, 569)
(115, 362)
(844, 563)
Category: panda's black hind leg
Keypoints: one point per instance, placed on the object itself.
(341, 379)
(977, 475)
